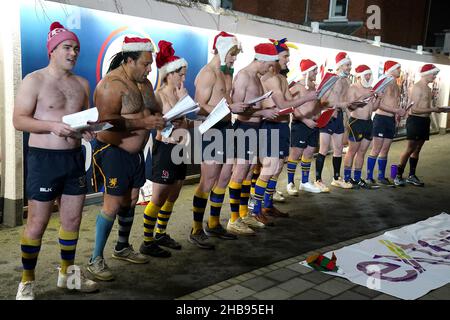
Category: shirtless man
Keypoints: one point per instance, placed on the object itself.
(384, 125)
(246, 87)
(281, 98)
(213, 83)
(360, 127)
(304, 131)
(167, 177)
(124, 97)
(55, 160)
(334, 131)
(417, 125)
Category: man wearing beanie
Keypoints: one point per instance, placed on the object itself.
(55, 160)
(418, 125)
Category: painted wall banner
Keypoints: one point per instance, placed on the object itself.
(101, 35)
(406, 263)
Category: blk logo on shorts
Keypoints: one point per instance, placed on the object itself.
(165, 174)
(46, 190)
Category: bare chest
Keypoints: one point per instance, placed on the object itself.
(62, 97)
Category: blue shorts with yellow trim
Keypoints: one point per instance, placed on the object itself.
(360, 129)
(117, 170)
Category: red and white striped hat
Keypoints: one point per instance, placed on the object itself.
(429, 69)
(390, 66)
(137, 44)
(266, 52)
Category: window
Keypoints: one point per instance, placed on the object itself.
(338, 9)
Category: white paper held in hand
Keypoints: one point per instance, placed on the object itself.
(261, 98)
(182, 107)
(219, 112)
(86, 120)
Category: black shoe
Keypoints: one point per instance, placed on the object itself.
(385, 183)
(164, 240)
(399, 181)
(201, 240)
(154, 250)
(354, 183)
(415, 181)
(364, 185)
(219, 232)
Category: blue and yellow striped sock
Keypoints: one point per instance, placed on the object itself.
(357, 175)
(199, 206)
(125, 219)
(371, 161)
(216, 197)
(245, 195)
(291, 168)
(68, 244)
(150, 218)
(235, 189)
(270, 190)
(103, 226)
(382, 163)
(306, 168)
(163, 217)
(255, 176)
(30, 251)
(260, 189)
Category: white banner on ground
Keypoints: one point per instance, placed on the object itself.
(406, 263)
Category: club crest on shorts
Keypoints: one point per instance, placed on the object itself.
(82, 182)
(165, 174)
(112, 183)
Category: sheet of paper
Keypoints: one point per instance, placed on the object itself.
(86, 120)
(218, 113)
(261, 98)
(167, 131)
(183, 106)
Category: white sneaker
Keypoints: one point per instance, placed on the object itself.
(323, 188)
(25, 291)
(340, 183)
(291, 189)
(251, 203)
(250, 221)
(309, 187)
(239, 228)
(71, 282)
(278, 197)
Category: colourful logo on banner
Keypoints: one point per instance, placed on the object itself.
(113, 45)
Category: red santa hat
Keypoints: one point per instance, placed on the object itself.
(429, 69)
(306, 66)
(341, 59)
(266, 52)
(57, 35)
(362, 70)
(390, 66)
(223, 42)
(166, 61)
(137, 44)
